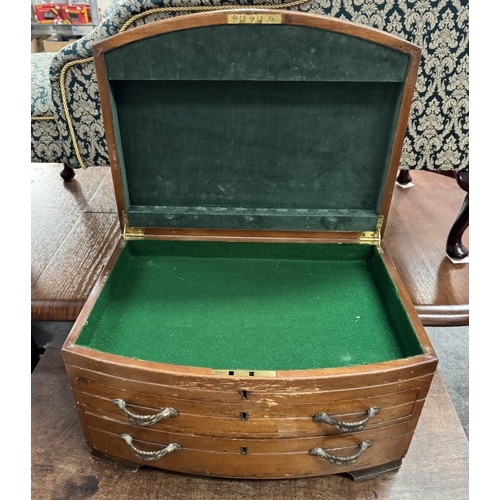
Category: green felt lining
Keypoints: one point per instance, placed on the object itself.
(276, 127)
(250, 306)
(255, 155)
(256, 52)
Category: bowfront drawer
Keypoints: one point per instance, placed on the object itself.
(247, 458)
(273, 415)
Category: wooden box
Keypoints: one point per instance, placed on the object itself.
(251, 324)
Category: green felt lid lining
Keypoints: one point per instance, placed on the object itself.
(273, 127)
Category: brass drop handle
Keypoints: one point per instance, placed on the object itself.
(145, 420)
(150, 455)
(341, 461)
(347, 426)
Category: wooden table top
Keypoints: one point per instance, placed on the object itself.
(75, 227)
(435, 467)
(418, 225)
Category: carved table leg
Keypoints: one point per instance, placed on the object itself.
(455, 250)
(404, 179)
(67, 173)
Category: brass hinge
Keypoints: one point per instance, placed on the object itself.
(131, 233)
(372, 237)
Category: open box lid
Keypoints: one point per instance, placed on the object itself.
(255, 120)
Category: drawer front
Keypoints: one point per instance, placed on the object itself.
(235, 391)
(200, 383)
(248, 418)
(247, 458)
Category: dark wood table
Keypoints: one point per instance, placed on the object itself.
(435, 467)
(417, 229)
(75, 227)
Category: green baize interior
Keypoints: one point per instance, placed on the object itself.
(250, 306)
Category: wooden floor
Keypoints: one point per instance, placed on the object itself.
(75, 228)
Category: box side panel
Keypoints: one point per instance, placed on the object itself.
(389, 295)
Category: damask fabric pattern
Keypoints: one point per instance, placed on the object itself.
(437, 136)
(45, 143)
(41, 103)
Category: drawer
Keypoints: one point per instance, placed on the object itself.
(250, 457)
(200, 385)
(246, 418)
(242, 391)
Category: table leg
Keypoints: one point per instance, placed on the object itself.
(455, 249)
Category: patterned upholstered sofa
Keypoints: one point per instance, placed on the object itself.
(67, 127)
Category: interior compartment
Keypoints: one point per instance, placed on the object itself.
(250, 306)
